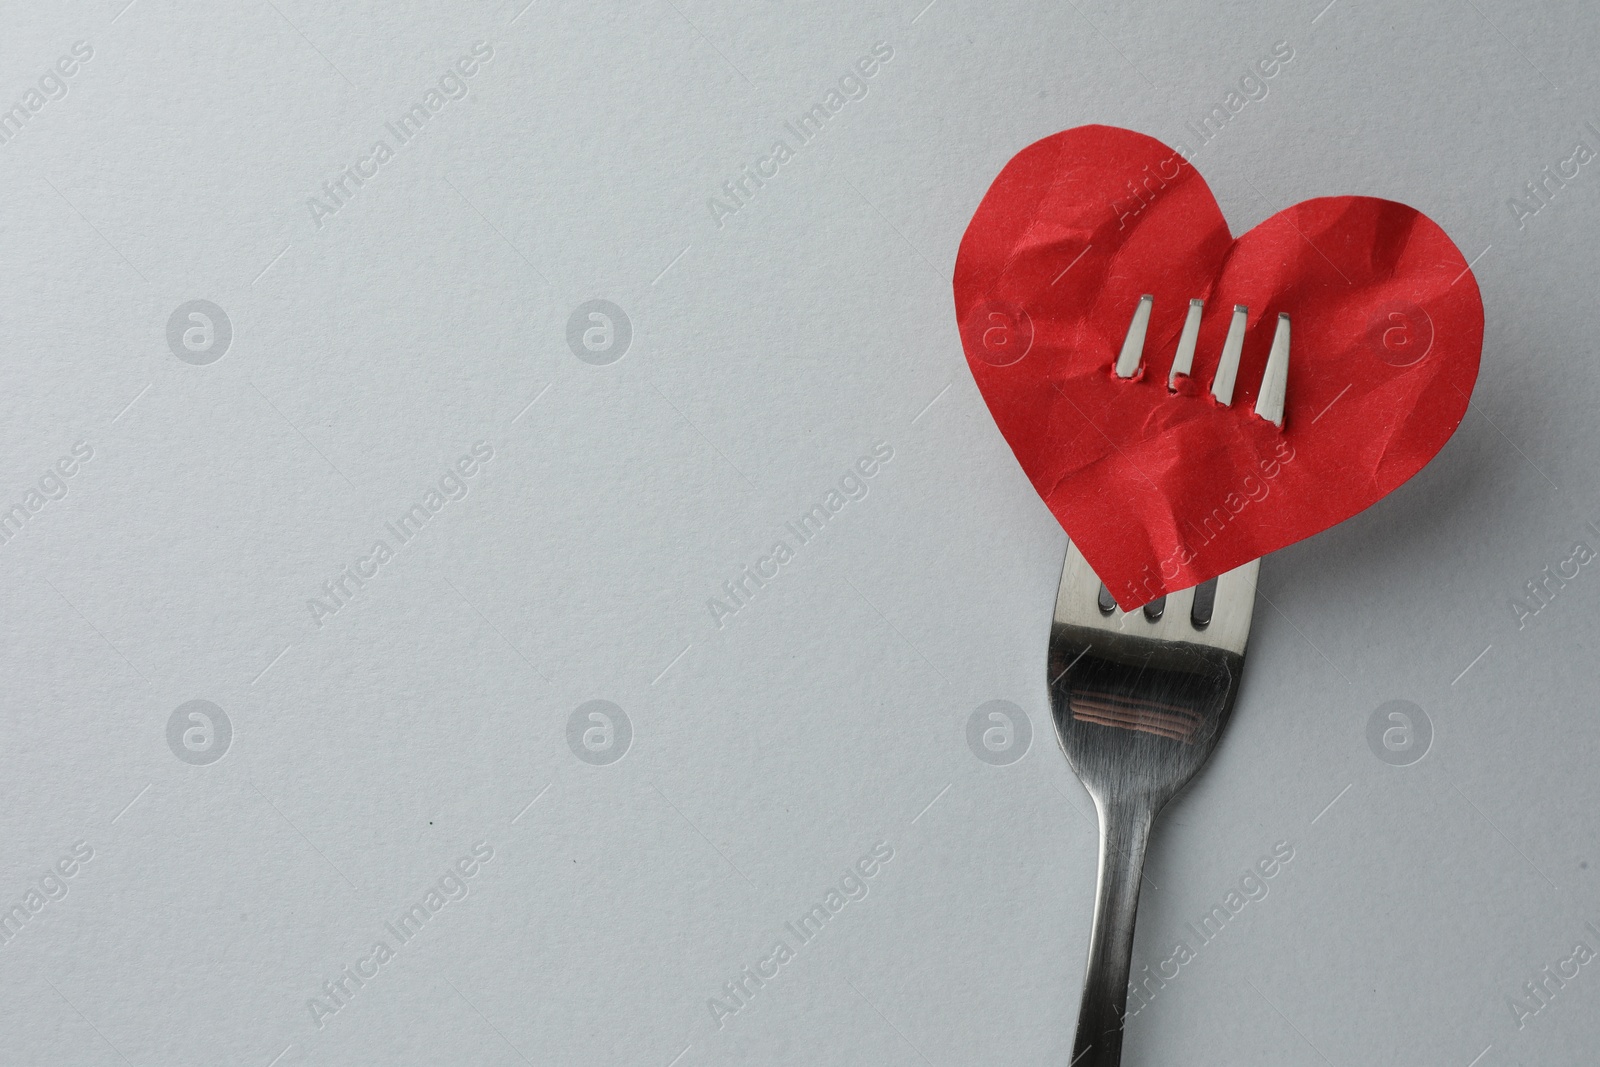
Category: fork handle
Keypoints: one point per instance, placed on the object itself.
(1124, 833)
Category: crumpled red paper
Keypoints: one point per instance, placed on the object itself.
(1162, 490)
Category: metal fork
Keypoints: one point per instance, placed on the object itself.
(1141, 697)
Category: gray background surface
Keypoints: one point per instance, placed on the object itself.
(431, 712)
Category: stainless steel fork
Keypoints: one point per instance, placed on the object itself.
(1139, 705)
(1141, 697)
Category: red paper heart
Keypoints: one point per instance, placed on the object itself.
(1162, 490)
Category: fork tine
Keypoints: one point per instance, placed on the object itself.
(1228, 365)
(1234, 605)
(1133, 345)
(1176, 616)
(1181, 602)
(1079, 588)
(1079, 599)
(1183, 361)
(1275, 381)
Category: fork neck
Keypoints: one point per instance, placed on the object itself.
(1125, 822)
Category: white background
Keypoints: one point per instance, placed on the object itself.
(829, 714)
